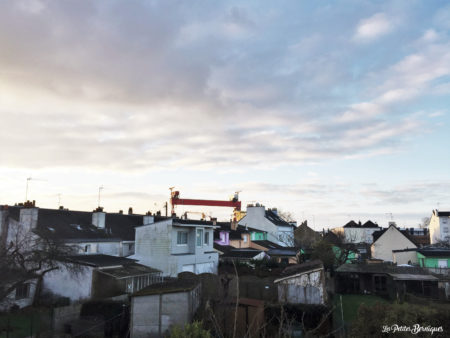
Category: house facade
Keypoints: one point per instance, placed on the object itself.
(439, 226)
(434, 259)
(390, 239)
(278, 230)
(176, 245)
(358, 233)
(96, 276)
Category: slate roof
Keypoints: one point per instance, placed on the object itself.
(100, 260)
(435, 252)
(298, 268)
(283, 252)
(352, 224)
(223, 248)
(172, 286)
(129, 270)
(268, 244)
(277, 220)
(368, 224)
(245, 253)
(192, 221)
(443, 213)
(380, 268)
(234, 234)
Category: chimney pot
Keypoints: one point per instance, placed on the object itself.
(130, 211)
(121, 212)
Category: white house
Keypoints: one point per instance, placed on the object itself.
(278, 230)
(439, 226)
(84, 277)
(175, 245)
(390, 239)
(356, 232)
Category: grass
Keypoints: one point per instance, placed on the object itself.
(22, 323)
(351, 303)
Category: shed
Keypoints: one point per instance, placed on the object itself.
(303, 284)
(156, 308)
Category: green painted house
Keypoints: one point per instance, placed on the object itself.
(434, 258)
(256, 235)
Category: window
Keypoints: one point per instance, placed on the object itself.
(182, 237)
(87, 248)
(206, 238)
(445, 229)
(23, 291)
(199, 237)
(245, 238)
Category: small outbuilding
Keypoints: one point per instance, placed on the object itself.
(158, 307)
(303, 284)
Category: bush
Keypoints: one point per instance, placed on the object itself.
(371, 320)
(194, 330)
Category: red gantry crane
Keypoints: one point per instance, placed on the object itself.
(176, 200)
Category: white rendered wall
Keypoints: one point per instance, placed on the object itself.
(391, 239)
(62, 282)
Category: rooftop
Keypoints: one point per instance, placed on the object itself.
(298, 268)
(277, 220)
(129, 270)
(99, 260)
(172, 286)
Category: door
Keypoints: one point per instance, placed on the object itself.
(188, 267)
(204, 267)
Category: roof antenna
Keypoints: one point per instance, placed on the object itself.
(59, 200)
(100, 188)
(28, 181)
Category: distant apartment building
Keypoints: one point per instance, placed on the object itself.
(439, 226)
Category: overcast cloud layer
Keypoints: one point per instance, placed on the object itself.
(238, 87)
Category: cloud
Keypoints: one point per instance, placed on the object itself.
(374, 27)
(130, 88)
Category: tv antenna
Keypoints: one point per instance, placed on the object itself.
(100, 188)
(28, 181)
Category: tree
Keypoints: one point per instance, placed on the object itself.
(324, 251)
(25, 255)
(286, 215)
(425, 222)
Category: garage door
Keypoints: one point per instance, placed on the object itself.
(204, 267)
(188, 267)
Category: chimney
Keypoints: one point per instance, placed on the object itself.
(149, 218)
(130, 211)
(233, 225)
(29, 217)
(275, 211)
(121, 212)
(214, 220)
(98, 218)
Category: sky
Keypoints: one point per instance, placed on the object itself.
(328, 110)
